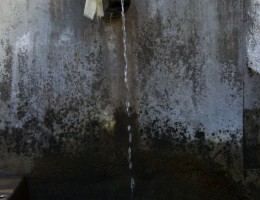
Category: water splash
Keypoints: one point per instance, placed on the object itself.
(129, 128)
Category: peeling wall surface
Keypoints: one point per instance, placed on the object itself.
(194, 102)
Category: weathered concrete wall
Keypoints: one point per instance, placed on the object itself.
(190, 66)
(59, 71)
(252, 89)
(62, 93)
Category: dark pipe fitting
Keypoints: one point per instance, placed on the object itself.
(113, 8)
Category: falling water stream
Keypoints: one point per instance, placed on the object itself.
(129, 128)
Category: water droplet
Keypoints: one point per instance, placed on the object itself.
(127, 104)
(129, 154)
(130, 165)
(132, 184)
(130, 138)
(129, 127)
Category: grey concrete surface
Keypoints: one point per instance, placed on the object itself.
(61, 77)
(190, 65)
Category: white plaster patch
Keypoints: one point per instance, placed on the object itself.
(111, 40)
(23, 43)
(153, 9)
(65, 37)
(253, 38)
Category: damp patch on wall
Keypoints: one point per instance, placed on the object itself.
(251, 145)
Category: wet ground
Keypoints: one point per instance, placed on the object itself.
(158, 176)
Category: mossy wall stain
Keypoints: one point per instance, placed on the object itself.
(251, 142)
(5, 84)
